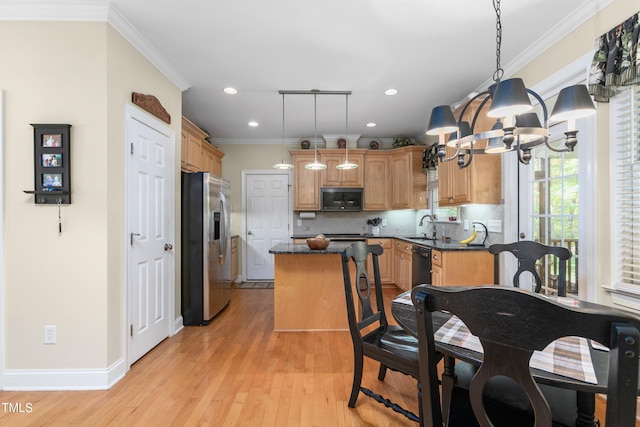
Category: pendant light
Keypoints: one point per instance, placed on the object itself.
(283, 165)
(346, 165)
(316, 165)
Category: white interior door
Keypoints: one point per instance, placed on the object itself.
(267, 221)
(151, 260)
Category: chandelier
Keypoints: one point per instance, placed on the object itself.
(516, 128)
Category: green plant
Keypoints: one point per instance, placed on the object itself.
(403, 142)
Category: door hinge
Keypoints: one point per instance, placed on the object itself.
(131, 329)
(132, 148)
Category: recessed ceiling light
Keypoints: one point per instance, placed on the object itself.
(371, 125)
(391, 92)
(253, 124)
(230, 90)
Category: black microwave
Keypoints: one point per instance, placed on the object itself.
(341, 199)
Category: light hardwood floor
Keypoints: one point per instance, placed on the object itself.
(234, 372)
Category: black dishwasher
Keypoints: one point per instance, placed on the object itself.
(420, 265)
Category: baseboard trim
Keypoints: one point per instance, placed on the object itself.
(76, 379)
(178, 325)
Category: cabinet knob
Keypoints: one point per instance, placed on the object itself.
(435, 256)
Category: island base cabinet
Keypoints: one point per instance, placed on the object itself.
(309, 293)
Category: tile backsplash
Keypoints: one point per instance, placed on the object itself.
(403, 223)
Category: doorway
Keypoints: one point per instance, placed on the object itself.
(267, 220)
(150, 225)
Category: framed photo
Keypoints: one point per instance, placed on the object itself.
(52, 160)
(52, 180)
(52, 140)
(52, 163)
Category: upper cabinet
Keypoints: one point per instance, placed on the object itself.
(306, 182)
(333, 177)
(377, 179)
(480, 182)
(197, 155)
(391, 179)
(408, 181)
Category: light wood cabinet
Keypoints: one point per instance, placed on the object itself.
(461, 268)
(306, 188)
(333, 177)
(480, 182)
(197, 155)
(377, 180)
(402, 264)
(211, 159)
(385, 261)
(408, 181)
(234, 258)
(191, 150)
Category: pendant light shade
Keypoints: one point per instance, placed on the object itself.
(441, 121)
(574, 102)
(496, 143)
(529, 129)
(510, 99)
(465, 130)
(315, 165)
(283, 165)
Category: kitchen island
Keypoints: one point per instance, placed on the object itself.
(309, 288)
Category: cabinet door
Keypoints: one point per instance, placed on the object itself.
(207, 159)
(183, 150)
(194, 153)
(385, 261)
(436, 276)
(400, 180)
(234, 259)
(377, 170)
(334, 177)
(305, 183)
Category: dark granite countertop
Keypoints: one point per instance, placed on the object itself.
(303, 249)
(435, 244)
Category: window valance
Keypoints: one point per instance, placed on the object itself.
(616, 61)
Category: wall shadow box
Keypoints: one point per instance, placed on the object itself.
(52, 163)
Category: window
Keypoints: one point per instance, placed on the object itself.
(625, 124)
(554, 208)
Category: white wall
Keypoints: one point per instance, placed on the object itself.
(81, 74)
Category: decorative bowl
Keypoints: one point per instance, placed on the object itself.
(318, 243)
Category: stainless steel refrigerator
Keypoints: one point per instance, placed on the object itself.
(206, 247)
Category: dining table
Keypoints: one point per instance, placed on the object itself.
(404, 313)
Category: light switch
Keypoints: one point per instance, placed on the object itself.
(494, 226)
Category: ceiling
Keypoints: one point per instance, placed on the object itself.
(432, 52)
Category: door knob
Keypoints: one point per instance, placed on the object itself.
(522, 235)
(168, 246)
(249, 233)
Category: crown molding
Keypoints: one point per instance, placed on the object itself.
(75, 11)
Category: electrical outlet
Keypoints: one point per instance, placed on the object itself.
(299, 223)
(49, 334)
(384, 222)
(466, 224)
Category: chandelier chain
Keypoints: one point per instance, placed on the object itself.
(497, 75)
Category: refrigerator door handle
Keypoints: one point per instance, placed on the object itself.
(223, 230)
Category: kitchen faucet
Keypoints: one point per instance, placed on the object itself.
(433, 224)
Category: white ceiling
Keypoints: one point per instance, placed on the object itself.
(432, 52)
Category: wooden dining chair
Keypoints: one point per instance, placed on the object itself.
(511, 323)
(371, 334)
(527, 252)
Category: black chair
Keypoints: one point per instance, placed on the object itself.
(371, 334)
(527, 253)
(494, 314)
